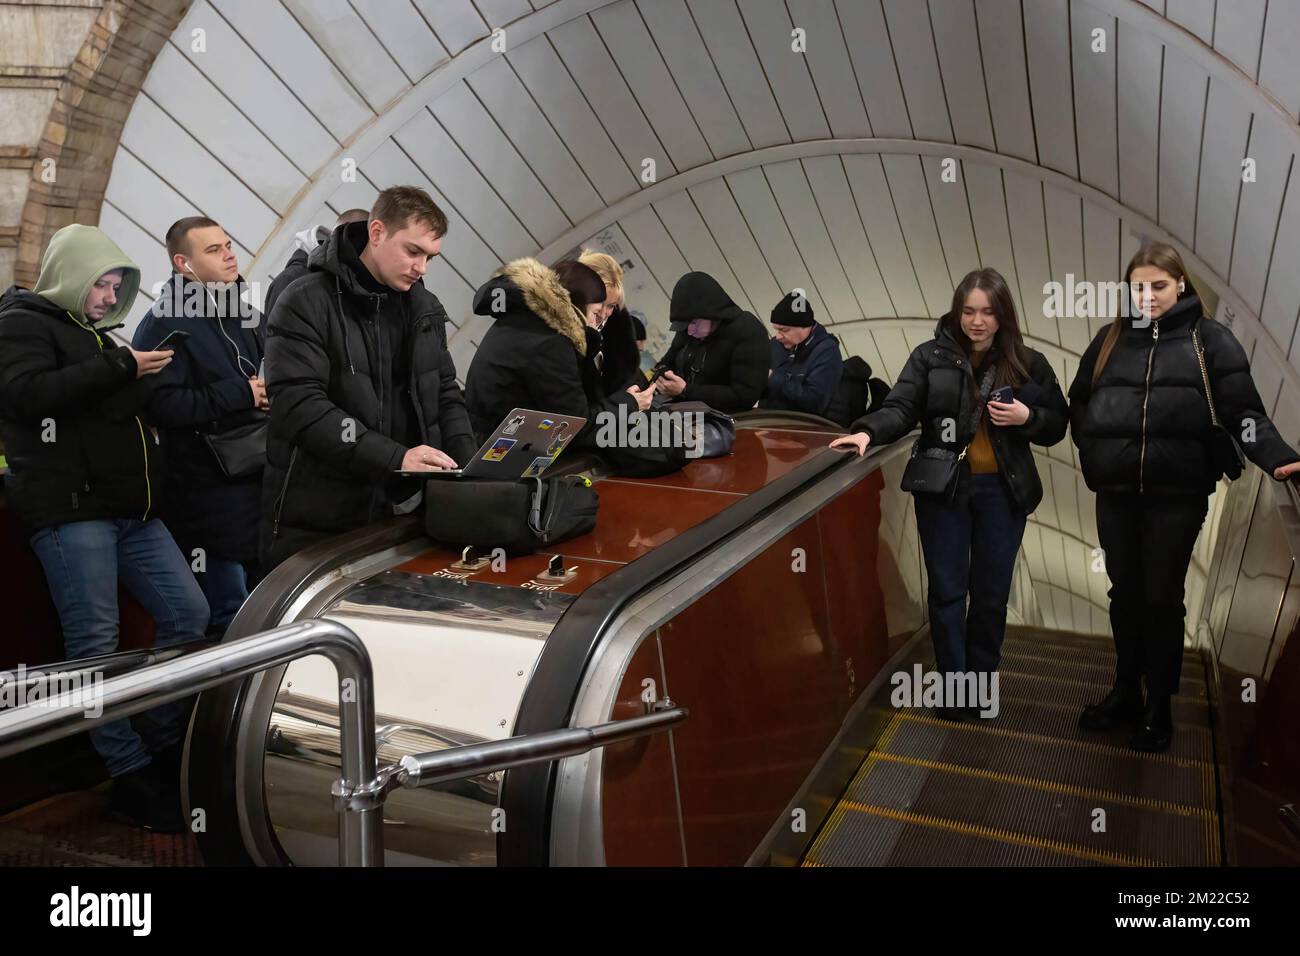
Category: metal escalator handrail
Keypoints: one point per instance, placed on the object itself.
(551, 693)
(798, 418)
(116, 662)
(457, 763)
(360, 830)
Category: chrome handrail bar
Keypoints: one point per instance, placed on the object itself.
(360, 830)
(360, 794)
(472, 760)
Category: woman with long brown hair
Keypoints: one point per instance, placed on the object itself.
(981, 397)
(1155, 401)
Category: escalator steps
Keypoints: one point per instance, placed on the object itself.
(1027, 788)
(1081, 762)
(1098, 672)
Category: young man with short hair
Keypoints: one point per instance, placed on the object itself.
(360, 379)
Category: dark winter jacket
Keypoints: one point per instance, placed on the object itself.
(857, 392)
(294, 269)
(70, 408)
(356, 378)
(620, 358)
(728, 369)
(205, 389)
(69, 397)
(804, 378)
(937, 388)
(1146, 426)
(538, 354)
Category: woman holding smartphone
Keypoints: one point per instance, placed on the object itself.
(1143, 405)
(981, 397)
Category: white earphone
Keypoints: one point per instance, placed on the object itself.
(240, 361)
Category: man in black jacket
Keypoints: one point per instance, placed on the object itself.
(84, 481)
(304, 243)
(805, 359)
(210, 389)
(720, 355)
(360, 380)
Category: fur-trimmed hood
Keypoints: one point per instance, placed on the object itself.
(526, 285)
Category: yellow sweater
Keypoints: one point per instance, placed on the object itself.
(980, 454)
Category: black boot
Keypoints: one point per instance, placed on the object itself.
(1157, 727)
(167, 762)
(146, 798)
(1123, 705)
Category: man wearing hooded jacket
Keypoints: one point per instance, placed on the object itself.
(360, 381)
(84, 480)
(720, 355)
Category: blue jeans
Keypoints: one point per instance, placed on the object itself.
(226, 584)
(970, 548)
(83, 562)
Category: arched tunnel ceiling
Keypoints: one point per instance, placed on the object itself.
(773, 168)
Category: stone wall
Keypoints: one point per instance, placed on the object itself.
(69, 72)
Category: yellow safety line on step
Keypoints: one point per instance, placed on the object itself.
(837, 812)
(1082, 683)
(1068, 663)
(1050, 786)
(1003, 836)
(982, 727)
(1058, 705)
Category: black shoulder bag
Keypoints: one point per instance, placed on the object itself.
(240, 451)
(1224, 454)
(936, 470)
(519, 516)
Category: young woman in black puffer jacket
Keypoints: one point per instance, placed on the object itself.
(1140, 416)
(970, 542)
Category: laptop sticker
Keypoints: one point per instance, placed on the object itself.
(500, 448)
(557, 443)
(538, 466)
(546, 424)
(514, 425)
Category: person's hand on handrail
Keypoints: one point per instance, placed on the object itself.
(858, 440)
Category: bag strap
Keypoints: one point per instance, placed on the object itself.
(535, 511)
(981, 400)
(1205, 375)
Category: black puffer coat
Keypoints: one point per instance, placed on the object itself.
(538, 354)
(344, 408)
(1146, 426)
(71, 413)
(937, 387)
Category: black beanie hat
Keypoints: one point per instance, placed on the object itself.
(786, 313)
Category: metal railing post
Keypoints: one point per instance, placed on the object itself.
(360, 816)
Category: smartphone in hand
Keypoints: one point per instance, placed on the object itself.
(171, 340)
(1004, 395)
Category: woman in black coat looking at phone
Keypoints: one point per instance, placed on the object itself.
(981, 396)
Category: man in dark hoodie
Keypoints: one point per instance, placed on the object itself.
(211, 388)
(806, 361)
(360, 380)
(304, 243)
(720, 354)
(84, 481)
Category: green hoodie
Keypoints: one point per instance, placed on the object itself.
(75, 259)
